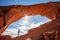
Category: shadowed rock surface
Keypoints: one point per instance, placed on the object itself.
(5, 37)
(10, 14)
(36, 32)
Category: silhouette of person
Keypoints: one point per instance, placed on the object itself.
(18, 31)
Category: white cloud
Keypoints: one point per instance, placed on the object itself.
(25, 23)
(12, 32)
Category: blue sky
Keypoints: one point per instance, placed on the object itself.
(27, 22)
(24, 24)
(25, 2)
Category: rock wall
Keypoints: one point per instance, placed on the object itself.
(5, 37)
(35, 33)
(15, 12)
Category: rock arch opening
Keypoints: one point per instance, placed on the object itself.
(24, 24)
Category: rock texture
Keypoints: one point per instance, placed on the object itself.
(35, 33)
(15, 12)
(5, 37)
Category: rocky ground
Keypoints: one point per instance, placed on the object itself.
(47, 31)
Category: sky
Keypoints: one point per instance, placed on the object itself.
(27, 22)
(24, 2)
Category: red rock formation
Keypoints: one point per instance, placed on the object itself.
(35, 33)
(5, 37)
(13, 13)
(1, 19)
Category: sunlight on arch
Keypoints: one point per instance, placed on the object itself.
(24, 24)
(26, 16)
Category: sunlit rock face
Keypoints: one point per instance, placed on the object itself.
(34, 34)
(13, 13)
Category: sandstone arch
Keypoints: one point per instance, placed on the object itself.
(13, 13)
